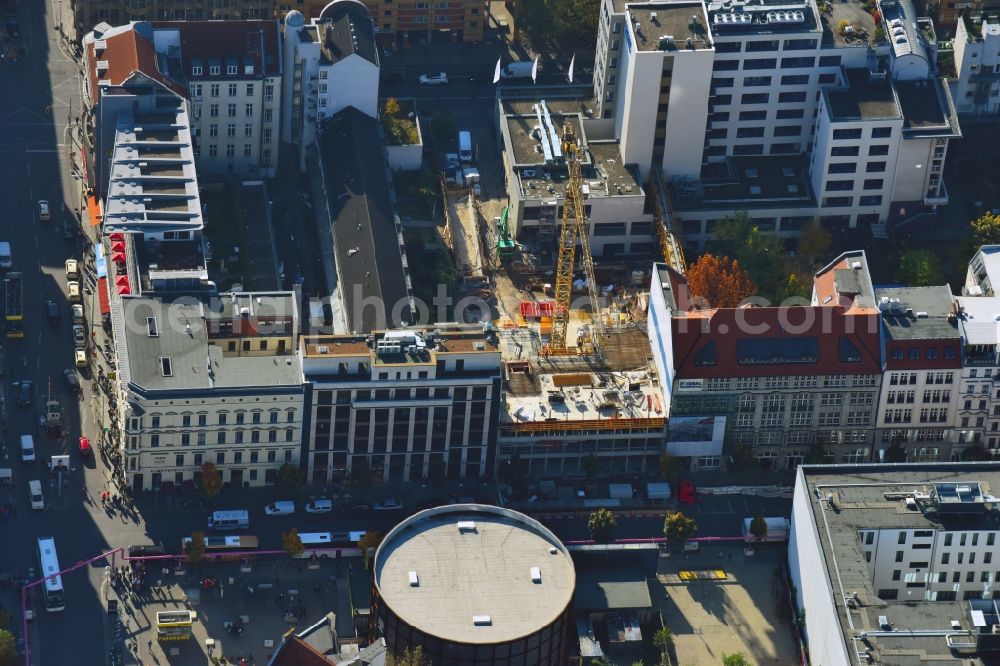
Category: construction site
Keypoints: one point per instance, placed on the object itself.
(579, 378)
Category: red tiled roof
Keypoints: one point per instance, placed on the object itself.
(726, 327)
(126, 53)
(256, 41)
(296, 652)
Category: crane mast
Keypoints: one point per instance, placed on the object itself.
(574, 229)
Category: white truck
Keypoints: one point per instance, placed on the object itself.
(6, 260)
(778, 529)
(465, 146)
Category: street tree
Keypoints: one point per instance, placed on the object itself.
(194, 550)
(758, 527)
(9, 655)
(814, 240)
(602, 526)
(670, 466)
(369, 542)
(986, 230)
(919, 268)
(678, 528)
(720, 281)
(292, 543)
(760, 254)
(289, 479)
(414, 657)
(738, 659)
(210, 480)
(663, 639)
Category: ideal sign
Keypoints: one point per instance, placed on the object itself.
(690, 384)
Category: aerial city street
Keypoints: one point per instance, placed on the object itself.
(529, 332)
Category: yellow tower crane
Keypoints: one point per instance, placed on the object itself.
(574, 229)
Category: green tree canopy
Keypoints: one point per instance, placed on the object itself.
(758, 527)
(760, 254)
(292, 543)
(210, 480)
(414, 657)
(738, 659)
(986, 230)
(919, 268)
(602, 526)
(290, 478)
(8, 648)
(678, 527)
(194, 550)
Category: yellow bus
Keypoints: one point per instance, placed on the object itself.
(175, 625)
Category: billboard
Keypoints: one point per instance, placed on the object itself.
(689, 436)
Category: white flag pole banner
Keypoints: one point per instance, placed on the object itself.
(572, 62)
(496, 72)
(534, 70)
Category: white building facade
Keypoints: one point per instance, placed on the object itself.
(976, 86)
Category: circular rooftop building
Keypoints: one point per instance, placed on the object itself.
(474, 584)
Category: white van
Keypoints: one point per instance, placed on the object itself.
(237, 519)
(72, 269)
(319, 506)
(518, 70)
(35, 494)
(27, 448)
(282, 508)
(6, 259)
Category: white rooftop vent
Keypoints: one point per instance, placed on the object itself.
(921, 315)
(911, 503)
(856, 265)
(955, 624)
(414, 579)
(466, 526)
(482, 620)
(536, 575)
(553, 550)
(883, 622)
(102, 66)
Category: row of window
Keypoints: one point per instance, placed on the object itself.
(930, 353)
(220, 438)
(756, 46)
(801, 62)
(849, 185)
(848, 202)
(904, 378)
(721, 82)
(222, 418)
(229, 457)
(856, 133)
(852, 167)
(233, 90)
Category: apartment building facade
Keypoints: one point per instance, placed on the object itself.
(758, 104)
(208, 380)
(792, 383)
(405, 405)
(228, 73)
(977, 309)
(232, 71)
(919, 405)
(410, 23)
(331, 63)
(976, 85)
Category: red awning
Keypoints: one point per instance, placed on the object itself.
(118, 246)
(538, 308)
(121, 280)
(118, 257)
(102, 294)
(117, 237)
(123, 289)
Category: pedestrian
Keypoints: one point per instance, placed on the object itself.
(149, 645)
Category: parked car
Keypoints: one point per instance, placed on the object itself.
(77, 310)
(388, 505)
(280, 508)
(84, 447)
(72, 383)
(319, 506)
(43, 211)
(24, 392)
(80, 358)
(79, 335)
(436, 79)
(73, 291)
(52, 312)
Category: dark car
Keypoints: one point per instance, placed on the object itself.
(52, 312)
(72, 383)
(69, 230)
(23, 393)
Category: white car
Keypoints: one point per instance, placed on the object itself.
(43, 211)
(280, 508)
(73, 291)
(388, 505)
(79, 335)
(319, 506)
(72, 269)
(433, 79)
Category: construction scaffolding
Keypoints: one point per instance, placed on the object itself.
(671, 243)
(539, 427)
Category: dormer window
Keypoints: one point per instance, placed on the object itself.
(231, 70)
(248, 70)
(214, 70)
(196, 70)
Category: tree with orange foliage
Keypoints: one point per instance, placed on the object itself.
(720, 280)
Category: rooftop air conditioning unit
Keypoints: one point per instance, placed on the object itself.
(466, 526)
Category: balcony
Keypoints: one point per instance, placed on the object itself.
(939, 199)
